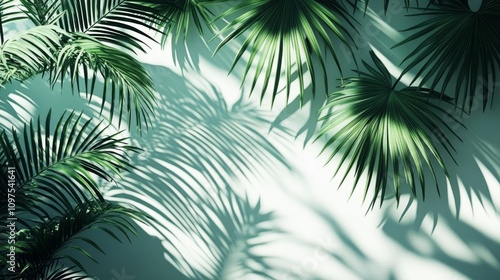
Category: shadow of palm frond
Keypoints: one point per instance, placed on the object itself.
(16, 106)
(457, 243)
(199, 149)
(459, 213)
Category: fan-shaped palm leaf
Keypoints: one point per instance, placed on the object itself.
(117, 22)
(128, 82)
(8, 13)
(30, 52)
(56, 168)
(458, 43)
(57, 238)
(385, 131)
(285, 35)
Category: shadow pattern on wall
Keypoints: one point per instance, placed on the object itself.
(200, 147)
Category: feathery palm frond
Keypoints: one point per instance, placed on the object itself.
(30, 52)
(59, 238)
(8, 13)
(130, 86)
(57, 167)
(385, 131)
(117, 22)
(285, 35)
(458, 43)
(42, 12)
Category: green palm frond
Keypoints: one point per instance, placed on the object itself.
(285, 35)
(29, 52)
(42, 12)
(130, 86)
(8, 13)
(62, 237)
(117, 22)
(57, 167)
(386, 132)
(458, 43)
(177, 16)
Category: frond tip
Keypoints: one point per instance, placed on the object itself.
(386, 132)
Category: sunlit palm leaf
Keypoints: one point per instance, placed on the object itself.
(56, 168)
(60, 238)
(118, 22)
(130, 86)
(30, 52)
(285, 35)
(385, 132)
(8, 13)
(458, 43)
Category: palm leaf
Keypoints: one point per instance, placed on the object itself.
(42, 12)
(30, 52)
(56, 168)
(8, 14)
(285, 35)
(130, 86)
(42, 246)
(177, 16)
(458, 43)
(117, 22)
(386, 132)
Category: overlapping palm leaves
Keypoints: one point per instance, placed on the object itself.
(8, 13)
(461, 44)
(117, 22)
(126, 83)
(42, 247)
(56, 193)
(386, 132)
(286, 35)
(29, 53)
(85, 38)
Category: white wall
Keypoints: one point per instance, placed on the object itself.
(211, 142)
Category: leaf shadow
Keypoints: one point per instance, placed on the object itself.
(198, 152)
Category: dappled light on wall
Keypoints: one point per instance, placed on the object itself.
(187, 180)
